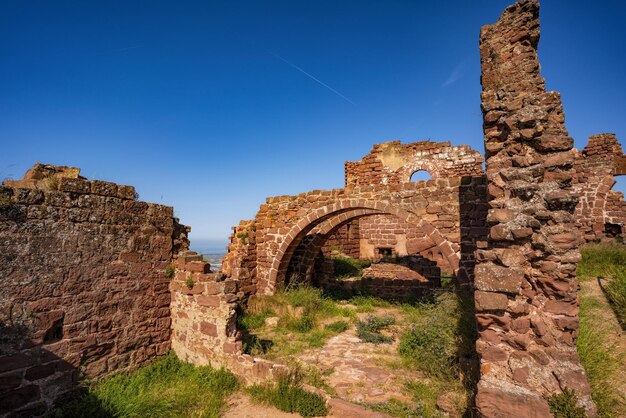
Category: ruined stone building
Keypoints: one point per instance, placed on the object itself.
(95, 281)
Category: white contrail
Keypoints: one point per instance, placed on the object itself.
(313, 78)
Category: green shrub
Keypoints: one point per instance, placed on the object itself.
(432, 343)
(189, 282)
(563, 405)
(288, 395)
(347, 267)
(170, 271)
(301, 325)
(337, 326)
(369, 330)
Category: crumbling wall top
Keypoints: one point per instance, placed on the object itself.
(394, 163)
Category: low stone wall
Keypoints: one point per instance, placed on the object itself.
(83, 285)
(204, 321)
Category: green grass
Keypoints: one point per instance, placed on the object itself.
(598, 354)
(616, 293)
(602, 260)
(168, 387)
(289, 396)
(302, 314)
(439, 332)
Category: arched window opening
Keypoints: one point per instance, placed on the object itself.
(420, 175)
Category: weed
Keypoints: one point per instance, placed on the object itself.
(433, 341)
(170, 271)
(253, 320)
(243, 238)
(189, 282)
(368, 303)
(289, 396)
(301, 325)
(337, 326)
(51, 183)
(599, 362)
(5, 201)
(369, 330)
(563, 405)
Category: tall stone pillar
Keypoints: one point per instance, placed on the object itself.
(525, 279)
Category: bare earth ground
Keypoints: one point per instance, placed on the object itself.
(241, 406)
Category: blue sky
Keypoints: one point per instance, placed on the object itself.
(212, 106)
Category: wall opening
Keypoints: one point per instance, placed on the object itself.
(420, 175)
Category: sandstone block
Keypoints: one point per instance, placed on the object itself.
(486, 301)
(493, 278)
(496, 403)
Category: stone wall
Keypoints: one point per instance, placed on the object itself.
(395, 163)
(84, 288)
(204, 321)
(526, 301)
(601, 212)
(346, 240)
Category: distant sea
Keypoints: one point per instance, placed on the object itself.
(212, 250)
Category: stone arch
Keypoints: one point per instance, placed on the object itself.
(343, 210)
(319, 235)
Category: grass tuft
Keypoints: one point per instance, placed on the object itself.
(289, 396)
(563, 405)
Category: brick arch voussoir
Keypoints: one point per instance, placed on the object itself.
(321, 214)
(333, 215)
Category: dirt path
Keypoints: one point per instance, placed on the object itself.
(359, 371)
(241, 406)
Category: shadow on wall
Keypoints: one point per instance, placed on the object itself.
(33, 379)
(474, 234)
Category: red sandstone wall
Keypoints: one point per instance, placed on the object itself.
(595, 168)
(345, 239)
(394, 163)
(83, 287)
(526, 301)
(204, 321)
